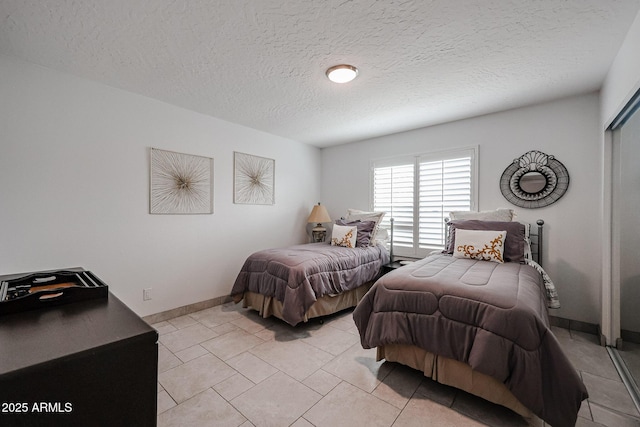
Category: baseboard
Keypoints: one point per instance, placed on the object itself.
(185, 309)
(574, 325)
(630, 336)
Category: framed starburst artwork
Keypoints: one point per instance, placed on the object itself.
(180, 183)
(254, 179)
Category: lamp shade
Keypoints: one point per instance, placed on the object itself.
(319, 214)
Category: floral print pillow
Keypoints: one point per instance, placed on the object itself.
(486, 245)
(343, 235)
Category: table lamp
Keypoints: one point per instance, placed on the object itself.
(319, 215)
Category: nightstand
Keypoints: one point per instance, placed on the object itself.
(390, 267)
(396, 264)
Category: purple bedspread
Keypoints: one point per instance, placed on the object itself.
(491, 316)
(298, 275)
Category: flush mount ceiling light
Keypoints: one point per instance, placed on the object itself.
(342, 73)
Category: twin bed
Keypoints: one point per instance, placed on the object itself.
(301, 282)
(473, 317)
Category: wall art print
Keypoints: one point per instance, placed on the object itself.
(180, 183)
(253, 180)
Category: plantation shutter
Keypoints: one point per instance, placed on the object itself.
(419, 192)
(393, 193)
(445, 186)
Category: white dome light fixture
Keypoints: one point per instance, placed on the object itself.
(342, 73)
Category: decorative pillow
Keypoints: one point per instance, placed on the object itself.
(501, 214)
(515, 244)
(355, 214)
(344, 236)
(365, 230)
(528, 255)
(486, 245)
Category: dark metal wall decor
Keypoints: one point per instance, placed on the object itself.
(534, 180)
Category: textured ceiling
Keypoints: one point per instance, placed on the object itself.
(261, 63)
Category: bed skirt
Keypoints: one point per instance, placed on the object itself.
(456, 374)
(325, 305)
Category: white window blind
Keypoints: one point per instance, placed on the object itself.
(394, 194)
(419, 192)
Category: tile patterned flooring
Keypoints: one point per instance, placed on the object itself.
(226, 366)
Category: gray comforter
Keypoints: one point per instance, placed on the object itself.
(491, 316)
(298, 275)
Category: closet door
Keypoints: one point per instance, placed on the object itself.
(628, 224)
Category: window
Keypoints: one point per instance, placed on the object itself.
(419, 191)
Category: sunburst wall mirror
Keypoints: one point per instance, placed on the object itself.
(254, 179)
(534, 180)
(180, 183)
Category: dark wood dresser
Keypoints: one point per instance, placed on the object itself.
(87, 363)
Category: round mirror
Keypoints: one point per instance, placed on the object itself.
(532, 182)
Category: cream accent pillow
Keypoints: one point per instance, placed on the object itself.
(486, 245)
(501, 214)
(355, 214)
(343, 235)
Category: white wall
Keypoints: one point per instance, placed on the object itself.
(623, 78)
(568, 129)
(74, 174)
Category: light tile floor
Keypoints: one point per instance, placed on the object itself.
(226, 366)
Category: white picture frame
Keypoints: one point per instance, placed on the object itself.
(180, 183)
(254, 179)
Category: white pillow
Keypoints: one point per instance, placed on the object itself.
(343, 235)
(487, 245)
(501, 214)
(355, 214)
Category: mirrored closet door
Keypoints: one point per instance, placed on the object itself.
(626, 253)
